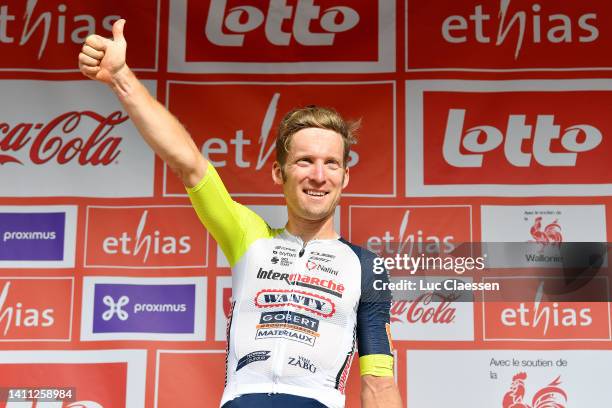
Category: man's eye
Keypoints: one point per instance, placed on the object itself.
(333, 165)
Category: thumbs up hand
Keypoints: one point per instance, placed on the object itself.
(102, 58)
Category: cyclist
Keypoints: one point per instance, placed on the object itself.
(303, 296)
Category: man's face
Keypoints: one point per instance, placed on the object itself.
(314, 174)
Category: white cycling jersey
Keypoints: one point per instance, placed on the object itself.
(298, 309)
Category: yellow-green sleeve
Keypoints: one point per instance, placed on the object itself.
(231, 224)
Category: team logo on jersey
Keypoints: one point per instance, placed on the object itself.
(325, 285)
(303, 363)
(260, 355)
(289, 325)
(310, 302)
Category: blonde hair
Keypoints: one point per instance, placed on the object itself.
(312, 116)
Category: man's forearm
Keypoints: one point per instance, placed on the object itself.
(379, 392)
(159, 128)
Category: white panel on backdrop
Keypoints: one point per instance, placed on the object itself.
(537, 226)
(507, 379)
(70, 138)
(276, 217)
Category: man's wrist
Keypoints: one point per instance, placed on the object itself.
(122, 81)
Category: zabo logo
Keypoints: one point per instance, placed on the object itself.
(544, 318)
(518, 149)
(45, 36)
(552, 395)
(242, 147)
(508, 35)
(142, 238)
(410, 230)
(282, 36)
(35, 309)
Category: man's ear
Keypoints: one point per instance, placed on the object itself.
(346, 178)
(277, 174)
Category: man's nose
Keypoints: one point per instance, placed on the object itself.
(318, 173)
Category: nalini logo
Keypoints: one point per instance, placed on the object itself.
(478, 140)
(228, 28)
(115, 308)
(550, 396)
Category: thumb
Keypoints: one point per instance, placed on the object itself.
(118, 30)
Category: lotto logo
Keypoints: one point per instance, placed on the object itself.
(282, 36)
(518, 149)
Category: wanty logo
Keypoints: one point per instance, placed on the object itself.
(546, 315)
(60, 139)
(144, 243)
(229, 27)
(422, 310)
(550, 396)
(535, 24)
(478, 140)
(310, 302)
(214, 146)
(37, 25)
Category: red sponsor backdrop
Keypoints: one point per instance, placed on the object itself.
(506, 133)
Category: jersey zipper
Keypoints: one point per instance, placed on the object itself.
(281, 344)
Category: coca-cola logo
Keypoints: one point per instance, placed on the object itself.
(479, 140)
(430, 307)
(82, 137)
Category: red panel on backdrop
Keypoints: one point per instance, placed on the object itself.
(235, 125)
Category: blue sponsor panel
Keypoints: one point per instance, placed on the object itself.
(126, 308)
(120, 308)
(32, 236)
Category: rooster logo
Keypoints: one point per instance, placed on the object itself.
(551, 396)
(550, 235)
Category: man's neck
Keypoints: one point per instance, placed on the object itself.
(308, 230)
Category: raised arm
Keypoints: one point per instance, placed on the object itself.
(104, 60)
